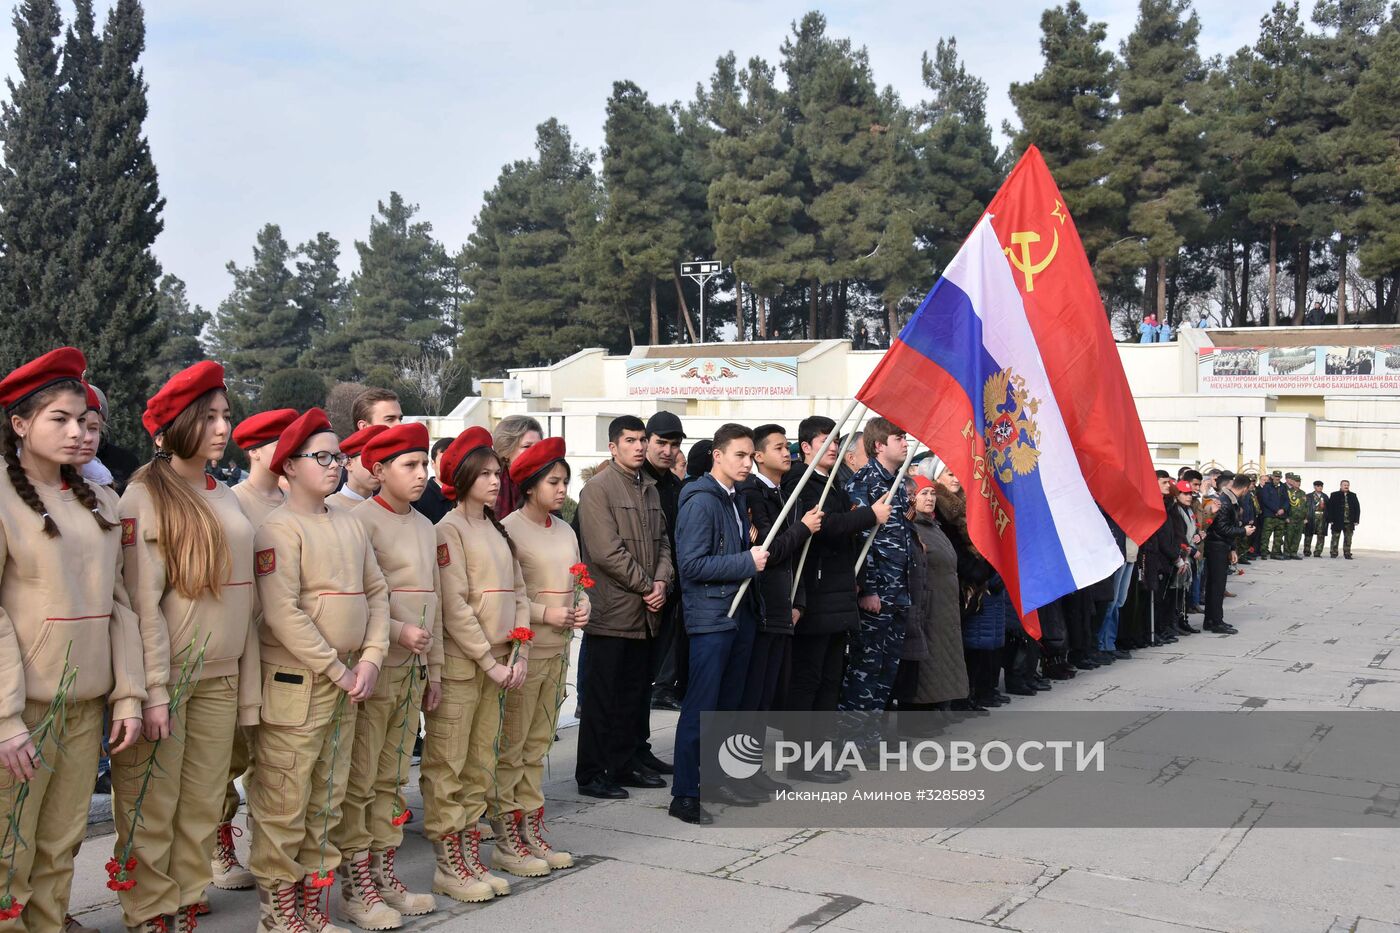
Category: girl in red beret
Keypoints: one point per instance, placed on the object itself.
(189, 569)
(372, 818)
(484, 602)
(69, 640)
(548, 553)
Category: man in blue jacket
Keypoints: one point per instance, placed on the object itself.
(1273, 499)
(715, 553)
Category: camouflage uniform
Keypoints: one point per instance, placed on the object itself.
(873, 654)
(1297, 518)
(1316, 524)
(1272, 497)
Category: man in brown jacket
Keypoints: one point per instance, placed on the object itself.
(624, 543)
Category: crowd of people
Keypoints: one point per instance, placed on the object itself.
(294, 630)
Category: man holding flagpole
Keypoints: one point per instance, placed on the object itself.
(883, 580)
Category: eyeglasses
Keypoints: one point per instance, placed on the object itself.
(324, 458)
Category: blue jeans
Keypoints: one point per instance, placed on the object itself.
(719, 664)
(1108, 635)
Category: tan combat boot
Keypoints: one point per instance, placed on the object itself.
(313, 909)
(395, 894)
(510, 854)
(153, 925)
(451, 877)
(278, 908)
(360, 900)
(186, 919)
(532, 834)
(229, 873)
(471, 857)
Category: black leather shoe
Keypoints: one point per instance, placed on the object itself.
(766, 785)
(1122, 655)
(1348, 557)
(1103, 658)
(1221, 628)
(640, 777)
(1186, 628)
(1084, 664)
(651, 762)
(665, 699)
(968, 706)
(603, 790)
(823, 777)
(688, 810)
(1020, 689)
(1042, 683)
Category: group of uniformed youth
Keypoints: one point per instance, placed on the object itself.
(279, 630)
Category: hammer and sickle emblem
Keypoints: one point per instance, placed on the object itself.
(1030, 269)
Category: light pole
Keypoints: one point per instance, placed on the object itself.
(700, 273)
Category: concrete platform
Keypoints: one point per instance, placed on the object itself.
(1314, 634)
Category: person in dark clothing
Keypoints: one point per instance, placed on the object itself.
(716, 556)
(772, 646)
(828, 577)
(433, 504)
(1343, 515)
(1224, 529)
(699, 461)
(664, 436)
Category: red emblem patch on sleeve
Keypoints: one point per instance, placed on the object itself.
(265, 561)
(128, 532)
(444, 558)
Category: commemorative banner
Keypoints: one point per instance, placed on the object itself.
(1314, 369)
(712, 377)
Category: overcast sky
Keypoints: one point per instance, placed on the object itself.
(307, 112)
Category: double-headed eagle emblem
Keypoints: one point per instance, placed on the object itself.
(1008, 425)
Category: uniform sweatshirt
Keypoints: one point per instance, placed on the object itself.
(64, 597)
(256, 506)
(483, 592)
(546, 553)
(323, 596)
(345, 500)
(406, 549)
(172, 627)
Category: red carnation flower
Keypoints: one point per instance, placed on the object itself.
(521, 634)
(9, 907)
(322, 879)
(579, 570)
(402, 817)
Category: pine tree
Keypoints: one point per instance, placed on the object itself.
(398, 304)
(182, 324)
(36, 192)
(114, 312)
(643, 224)
(320, 290)
(1066, 111)
(259, 329)
(1155, 146)
(524, 294)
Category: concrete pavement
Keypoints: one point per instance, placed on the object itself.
(1314, 634)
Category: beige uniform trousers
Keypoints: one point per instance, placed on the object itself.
(182, 801)
(54, 818)
(303, 757)
(532, 712)
(384, 724)
(459, 751)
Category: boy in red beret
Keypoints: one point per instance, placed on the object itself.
(325, 633)
(371, 822)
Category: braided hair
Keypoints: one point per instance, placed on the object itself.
(9, 443)
(472, 466)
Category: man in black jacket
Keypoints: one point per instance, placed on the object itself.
(828, 576)
(1225, 528)
(781, 608)
(433, 504)
(1343, 515)
(669, 650)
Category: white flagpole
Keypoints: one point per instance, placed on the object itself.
(792, 500)
(821, 504)
(898, 478)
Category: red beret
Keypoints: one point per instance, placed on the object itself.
(469, 440)
(263, 428)
(353, 445)
(922, 482)
(94, 401)
(180, 392)
(61, 365)
(389, 443)
(312, 422)
(535, 458)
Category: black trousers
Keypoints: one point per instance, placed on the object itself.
(818, 664)
(1217, 572)
(617, 707)
(768, 663)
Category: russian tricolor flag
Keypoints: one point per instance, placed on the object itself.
(965, 377)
